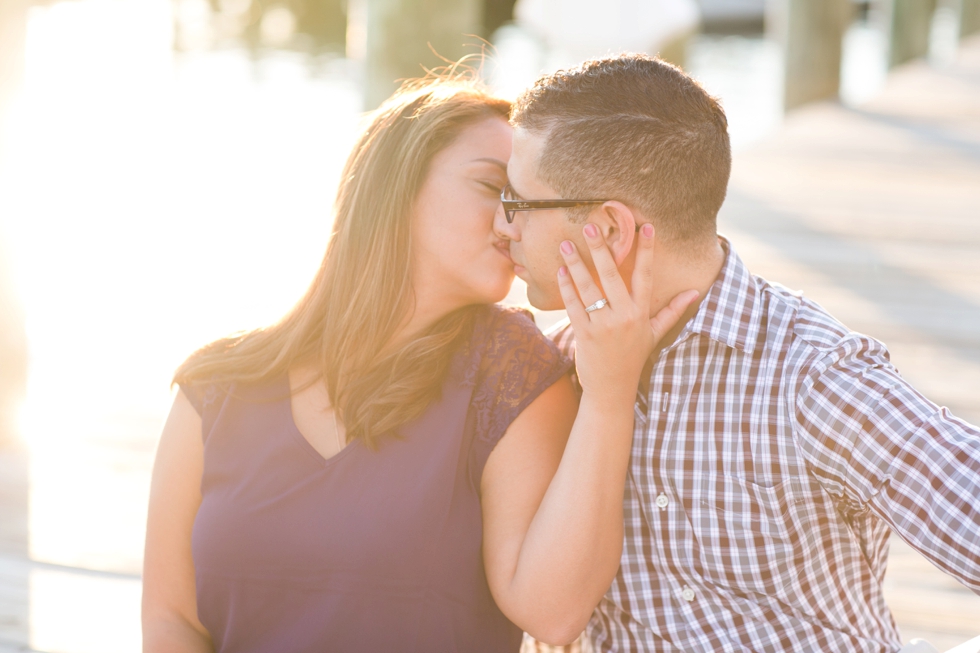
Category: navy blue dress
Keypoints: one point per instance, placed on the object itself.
(367, 550)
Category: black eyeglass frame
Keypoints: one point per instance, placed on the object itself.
(513, 206)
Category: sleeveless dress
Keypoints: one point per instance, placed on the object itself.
(374, 551)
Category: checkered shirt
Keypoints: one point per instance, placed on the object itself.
(772, 454)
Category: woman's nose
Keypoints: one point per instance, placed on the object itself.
(504, 229)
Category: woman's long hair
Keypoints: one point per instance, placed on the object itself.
(362, 292)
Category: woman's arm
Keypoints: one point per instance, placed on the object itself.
(170, 623)
(553, 510)
(553, 521)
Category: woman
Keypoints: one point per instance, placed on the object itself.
(370, 474)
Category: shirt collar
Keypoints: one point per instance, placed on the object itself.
(731, 312)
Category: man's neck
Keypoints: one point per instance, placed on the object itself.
(679, 276)
(679, 271)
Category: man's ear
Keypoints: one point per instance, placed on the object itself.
(618, 224)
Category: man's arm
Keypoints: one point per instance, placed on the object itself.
(874, 441)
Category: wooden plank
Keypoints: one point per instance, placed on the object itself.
(927, 603)
(14, 603)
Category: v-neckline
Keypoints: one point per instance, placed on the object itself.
(302, 439)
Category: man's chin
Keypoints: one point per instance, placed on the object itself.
(544, 301)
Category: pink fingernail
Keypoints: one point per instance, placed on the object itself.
(647, 230)
(566, 246)
(591, 231)
(562, 271)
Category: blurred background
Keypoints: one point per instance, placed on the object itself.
(167, 169)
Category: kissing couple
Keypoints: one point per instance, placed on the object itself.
(699, 460)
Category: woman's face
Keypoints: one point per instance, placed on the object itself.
(457, 259)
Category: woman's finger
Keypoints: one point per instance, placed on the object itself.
(573, 305)
(587, 288)
(613, 286)
(668, 316)
(643, 269)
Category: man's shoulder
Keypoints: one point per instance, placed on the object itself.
(814, 333)
(563, 336)
(812, 326)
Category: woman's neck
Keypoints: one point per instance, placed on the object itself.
(424, 311)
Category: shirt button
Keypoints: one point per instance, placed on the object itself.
(662, 501)
(688, 594)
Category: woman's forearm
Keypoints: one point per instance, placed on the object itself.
(573, 545)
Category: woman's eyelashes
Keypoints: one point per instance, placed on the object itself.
(493, 186)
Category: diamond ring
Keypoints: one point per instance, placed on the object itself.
(599, 304)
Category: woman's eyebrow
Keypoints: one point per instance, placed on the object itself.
(497, 162)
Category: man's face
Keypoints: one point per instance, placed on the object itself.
(535, 236)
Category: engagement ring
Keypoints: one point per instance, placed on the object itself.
(595, 307)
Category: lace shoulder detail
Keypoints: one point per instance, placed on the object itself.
(207, 397)
(202, 394)
(516, 364)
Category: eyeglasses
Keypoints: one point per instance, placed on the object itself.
(512, 204)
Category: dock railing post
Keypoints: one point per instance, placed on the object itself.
(404, 36)
(811, 34)
(909, 24)
(969, 17)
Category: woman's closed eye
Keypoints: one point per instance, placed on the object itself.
(493, 187)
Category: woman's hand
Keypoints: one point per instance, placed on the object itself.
(613, 342)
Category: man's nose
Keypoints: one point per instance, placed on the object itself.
(504, 229)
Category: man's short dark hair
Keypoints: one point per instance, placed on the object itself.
(634, 129)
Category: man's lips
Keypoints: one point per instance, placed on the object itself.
(503, 247)
(518, 268)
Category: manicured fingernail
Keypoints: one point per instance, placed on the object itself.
(647, 230)
(562, 271)
(566, 246)
(591, 231)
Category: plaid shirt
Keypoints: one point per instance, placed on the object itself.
(772, 454)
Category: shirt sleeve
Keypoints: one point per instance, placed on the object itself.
(876, 443)
(563, 335)
(519, 363)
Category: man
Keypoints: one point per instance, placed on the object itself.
(774, 450)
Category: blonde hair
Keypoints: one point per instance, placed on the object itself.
(362, 292)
